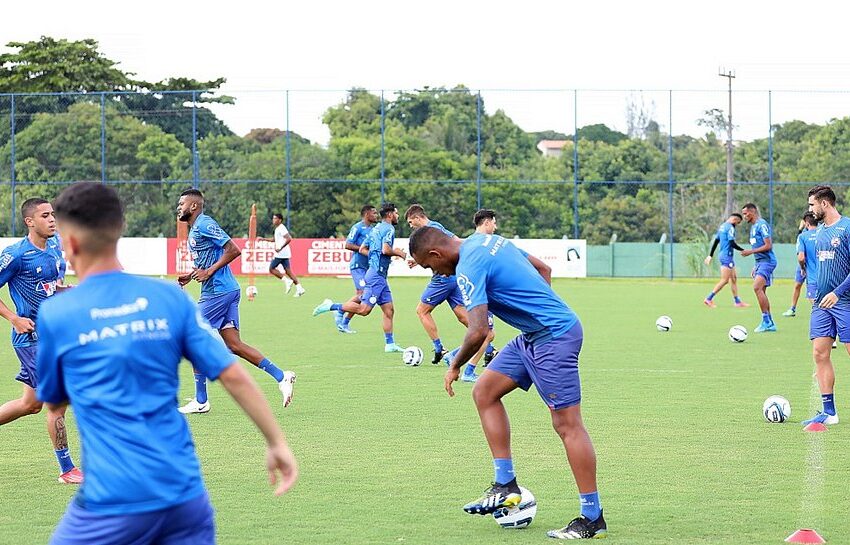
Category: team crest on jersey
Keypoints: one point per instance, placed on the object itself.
(466, 288)
(835, 242)
(49, 288)
(215, 230)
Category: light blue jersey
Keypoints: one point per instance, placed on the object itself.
(383, 233)
(833, 250)
(32, 275)
(726, 236)
(759, 231)
(439, 278)
(112, 346)
(494, 272)
(357, 235)
(806, 244)
(206, 243)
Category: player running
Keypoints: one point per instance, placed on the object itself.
(283, 255)
(112, 347)
(494, 275)
(831, 311)
(761, 242)
(725, 238)
(379, 247)
(212, 251)
(33, 268)
(806, 263)
(357, 235)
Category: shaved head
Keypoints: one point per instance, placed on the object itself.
(433, 249)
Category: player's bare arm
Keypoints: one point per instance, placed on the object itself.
(476, 334)
(21, 324)
(542, 268)
(397, 252)
(766, 247)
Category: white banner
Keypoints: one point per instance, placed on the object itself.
(138, 255)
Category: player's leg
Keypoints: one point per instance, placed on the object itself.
(299, 289)
(274, 268)
(215, 311)
(795, 294)
(733, 285)
(423, 312)
(823, 328)
(285, 379)
(387, 324)
(24, 405)
(343, 319)
(58, 432)
(724, 279)
(761, 281)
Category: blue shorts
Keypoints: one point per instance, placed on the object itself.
(377, 291)
(279, 261)
(811, 290)
(358, 276)
(798, 275)
(827, 322)
(27, 374)
(552, 367)
(727, 261)
(188, 523)
(441, 289)
(765, 270)
(221, 311)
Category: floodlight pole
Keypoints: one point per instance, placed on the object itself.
(730, 178)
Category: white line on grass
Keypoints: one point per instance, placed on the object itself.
(815, 476)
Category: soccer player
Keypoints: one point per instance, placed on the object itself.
(283, 253)
(806, 263)
(439, 290)
(359, 264)
(33, 269)
(494, 275)
(831, 311)
(379, 247)
(761, 240)
(112, 347)
(212, 251)
(725, 238)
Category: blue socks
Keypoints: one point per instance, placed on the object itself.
(590, 506)
(794, 308)
(504, 470)
(737, 300)
(489, 349)
(438, 345)
(469, 370)
(200, 388)
(346, 321)
(710, 296)
(271, 369)
(65, 462)
(766, 318)
(336, 306)
(388, 338)
(828, 403)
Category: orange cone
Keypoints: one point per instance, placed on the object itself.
(805, 535)
(815, 426)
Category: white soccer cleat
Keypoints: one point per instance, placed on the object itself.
(287, 386)
(299, 291)
(288, 284)
(193, 407)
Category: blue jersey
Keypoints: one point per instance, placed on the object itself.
(32, 275)
(833, 250)
(759, 231)
(206, 242)
(64, 265)
(494, 272)
(439, 278)
(383, 233)
(806, 244)
(357, 235)
(112, 346)
(726, 236)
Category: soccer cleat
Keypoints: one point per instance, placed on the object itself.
(299, 291)
(709, 303)
(742, 305)
(325, 306)
(764, 326)
(447, 359)
(342, 328)
(193, 407)
(72, 476)
(469, 377)
(790, 313)
(339, 316)
(289, 284)
(495, 497)
(822, 418)
(287, 385)
(582, 528)
(393, 347)
(489, 357)
(834, 345)
(438, 355)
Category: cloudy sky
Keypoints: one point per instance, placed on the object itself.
(508, 50)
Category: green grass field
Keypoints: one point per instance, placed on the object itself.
(387, 457)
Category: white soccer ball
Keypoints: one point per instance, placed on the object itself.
(738, 334)
(519, 516)
(664, 323)
(776, 409)
(412, 356)
(251, 291)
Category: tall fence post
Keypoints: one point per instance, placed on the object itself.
(575, 163)
(195, 169)
(103, 138)
(288, 172)
(383, 179)
(670, 175)
(770, 154)
(12, 216)
(478, 151)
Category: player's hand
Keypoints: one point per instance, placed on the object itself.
(411, 263)
(451, 376)
(282, 468)
(184, 279)
(201, 275)
(745, 253)
(707, 260)
(402, 253)
(23, 325)
(828, 300)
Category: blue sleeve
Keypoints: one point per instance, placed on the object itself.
(765, 230)
(471, 277)
(51, 383)
(352, 235)
(730, 233)
(214, 232)
(201, 344)
(9, 266)
(801, 247)
(388, 237)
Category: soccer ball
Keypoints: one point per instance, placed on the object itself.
(412, 356)
(664, 323)
(251, 292)
(519, 516)
(738, 334)
(776, 409)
